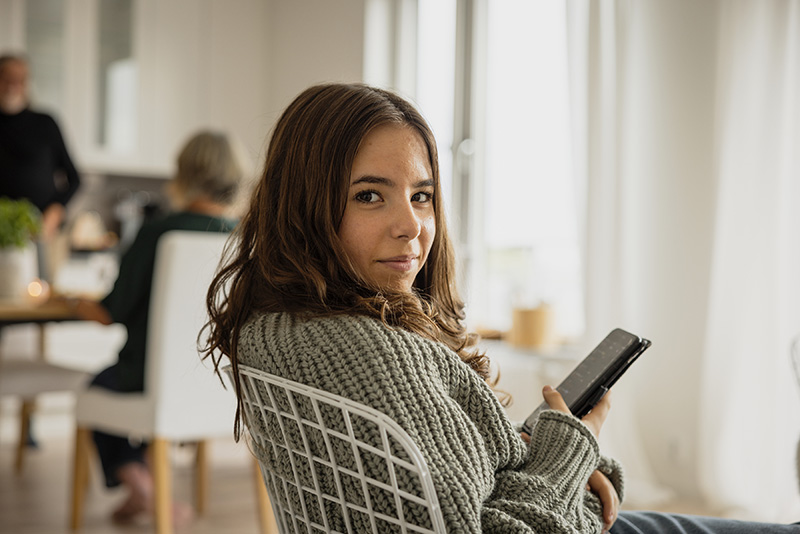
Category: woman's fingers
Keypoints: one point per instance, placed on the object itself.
(600, 485)
(554, 399)
(595, 419)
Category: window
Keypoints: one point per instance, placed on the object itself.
(516, 217)
(117, 77)
(44, 45)
(96, 98)
(436, 43)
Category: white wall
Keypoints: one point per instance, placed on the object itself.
(11, 35)
(203, 65)
(313, 41)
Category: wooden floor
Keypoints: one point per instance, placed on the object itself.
(37, 501)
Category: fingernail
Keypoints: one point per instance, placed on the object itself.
(548, 388)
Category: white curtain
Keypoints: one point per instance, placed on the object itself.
(754, 295)
(687, 139)
(597, 40)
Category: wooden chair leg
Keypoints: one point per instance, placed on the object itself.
(80, 475)
(201, 477)
(162, 481)
(266, 517)
(25, 412)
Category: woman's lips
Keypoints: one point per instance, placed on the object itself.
(400, 263)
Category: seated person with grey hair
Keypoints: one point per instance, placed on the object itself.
(202, 194)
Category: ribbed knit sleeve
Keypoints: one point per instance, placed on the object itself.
(487, 479)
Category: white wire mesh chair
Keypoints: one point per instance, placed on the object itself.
(795, 354)
(334, 465)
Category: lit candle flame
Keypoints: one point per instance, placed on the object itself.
(38, 290)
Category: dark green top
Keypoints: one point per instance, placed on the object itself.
(129, 300)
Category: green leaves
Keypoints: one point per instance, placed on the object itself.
(20, 221)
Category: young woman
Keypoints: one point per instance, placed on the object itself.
(342, 278)
(201, 193)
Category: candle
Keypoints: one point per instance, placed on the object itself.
(38, 291)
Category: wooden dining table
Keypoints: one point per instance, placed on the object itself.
(22, 311)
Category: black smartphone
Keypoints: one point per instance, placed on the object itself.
(593, 377)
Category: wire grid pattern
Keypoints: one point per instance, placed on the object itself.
(334, 465)
(794, 351)
(795, 354)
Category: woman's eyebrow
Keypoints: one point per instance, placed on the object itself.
(378, 180)
(368, 179)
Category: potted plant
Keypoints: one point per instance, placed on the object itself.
(20, 223)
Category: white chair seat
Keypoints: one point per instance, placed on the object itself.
(140, 414)
(133, 412)
(28, 378)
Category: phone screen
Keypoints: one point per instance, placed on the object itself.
(616, 345)
(583, 388)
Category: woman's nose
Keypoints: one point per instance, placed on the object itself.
(406, 222)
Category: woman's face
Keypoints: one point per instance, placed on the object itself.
(388, 225)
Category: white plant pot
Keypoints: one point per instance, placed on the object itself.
(18, 267)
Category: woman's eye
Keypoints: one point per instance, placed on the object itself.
(422, 196)
(367, 196)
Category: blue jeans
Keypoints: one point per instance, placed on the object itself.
(656, 522)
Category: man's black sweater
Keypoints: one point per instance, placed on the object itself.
(34, 162)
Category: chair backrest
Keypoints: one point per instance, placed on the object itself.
(187, 395)
(355, 468)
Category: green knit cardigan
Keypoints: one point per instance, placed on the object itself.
(486, 477)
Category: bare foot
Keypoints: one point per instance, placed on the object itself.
(139, 504)
(136, 477)
(182, 514)
(128, 512)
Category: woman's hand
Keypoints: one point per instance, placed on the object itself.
(85, 309)
(594, 419)
(51, 220)
(600, 485)
(91, 310)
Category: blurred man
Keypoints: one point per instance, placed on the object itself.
(34, 162)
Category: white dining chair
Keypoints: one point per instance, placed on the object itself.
(334, 465)
(183, 400)
(27, 379)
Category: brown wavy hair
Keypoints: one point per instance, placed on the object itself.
(286, 254)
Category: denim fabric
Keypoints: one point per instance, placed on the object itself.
(655, 522)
